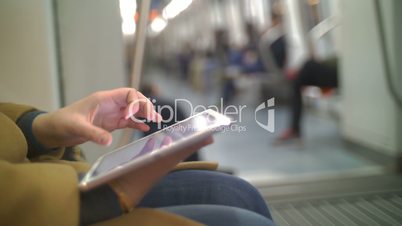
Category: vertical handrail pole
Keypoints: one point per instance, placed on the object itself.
(138, 59)
(139, 45)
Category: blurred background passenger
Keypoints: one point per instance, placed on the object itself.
(274, 38)
(232, 71)
(184, 59)
(322, 74)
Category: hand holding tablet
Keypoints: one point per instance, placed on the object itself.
(132, 186)
(161, 150)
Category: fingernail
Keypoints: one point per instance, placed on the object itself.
(104, 139)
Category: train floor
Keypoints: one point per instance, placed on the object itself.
(364, 200)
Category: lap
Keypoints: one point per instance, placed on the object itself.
(189, 187)
(217, 215)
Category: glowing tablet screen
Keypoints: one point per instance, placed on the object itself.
(146, 147)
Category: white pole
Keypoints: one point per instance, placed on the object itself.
(139, 47)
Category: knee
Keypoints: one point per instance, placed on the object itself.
(219, 215)
(223, 189)
(240, 191)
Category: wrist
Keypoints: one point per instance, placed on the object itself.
(98, 205)
(126, 203)
(43, 131)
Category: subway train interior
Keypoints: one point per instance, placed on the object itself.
(313, 87)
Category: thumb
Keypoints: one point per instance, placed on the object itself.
(95, 134)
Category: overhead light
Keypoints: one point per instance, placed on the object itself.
(127, 12)
(128, 28)
(158, 24)
(175, 7)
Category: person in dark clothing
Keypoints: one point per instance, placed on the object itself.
(184, 59)
(323, 74)
(274, 41)
(235, 59)
(279, 46)
(278, 49)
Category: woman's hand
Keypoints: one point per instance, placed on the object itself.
(93, 118)
(132, 186)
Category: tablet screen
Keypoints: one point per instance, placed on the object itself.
(157, 142)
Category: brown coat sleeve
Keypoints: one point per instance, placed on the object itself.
(38, 194)
(32, 193)
(14, 111)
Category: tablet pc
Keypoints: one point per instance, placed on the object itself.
(152, 148)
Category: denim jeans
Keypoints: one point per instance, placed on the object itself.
(217, 215)
(210, 197)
